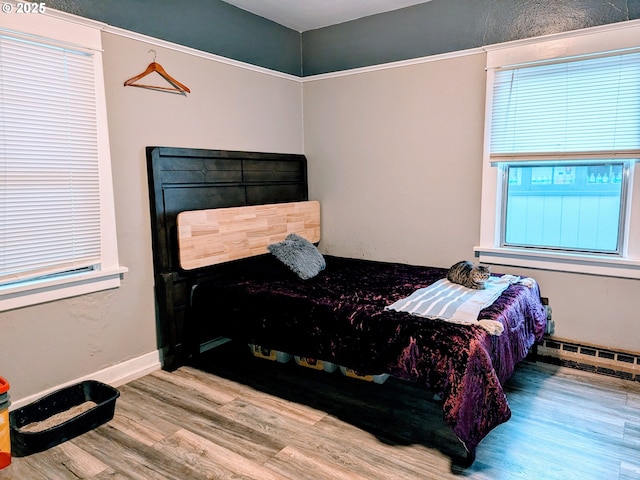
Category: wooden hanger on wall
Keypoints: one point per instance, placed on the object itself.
(176, 87)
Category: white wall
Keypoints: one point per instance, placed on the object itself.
(396, 158)
(230, 107)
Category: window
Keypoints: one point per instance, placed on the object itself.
(50, 196)
(563, 137)
(565, 207)
(56, 209)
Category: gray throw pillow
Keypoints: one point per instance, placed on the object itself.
(300, 255)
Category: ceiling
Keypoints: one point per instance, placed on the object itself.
(303, 15)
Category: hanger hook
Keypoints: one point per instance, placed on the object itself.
(154, 54)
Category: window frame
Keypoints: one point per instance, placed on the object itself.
(627, 263)
(65, 32)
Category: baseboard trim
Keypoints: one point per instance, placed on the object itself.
(590, 358)
(115, 375)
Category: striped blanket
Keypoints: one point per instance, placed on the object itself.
(452, 302)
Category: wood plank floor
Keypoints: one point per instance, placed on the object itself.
(246, 418)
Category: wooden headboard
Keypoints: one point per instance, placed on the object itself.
(186, 179)
(211, 237)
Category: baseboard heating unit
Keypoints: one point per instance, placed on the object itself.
(590, 358)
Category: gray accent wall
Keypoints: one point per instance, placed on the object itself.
(211, 26)
(439, 26)
(443, 26)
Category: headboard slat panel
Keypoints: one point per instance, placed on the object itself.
(210, 237)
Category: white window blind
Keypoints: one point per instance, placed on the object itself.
(578, 109)
(49, 170)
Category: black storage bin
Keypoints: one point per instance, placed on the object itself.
(25, 442)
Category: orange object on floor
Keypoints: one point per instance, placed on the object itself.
(5, 436)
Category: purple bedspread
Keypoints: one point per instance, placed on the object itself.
(339, 316)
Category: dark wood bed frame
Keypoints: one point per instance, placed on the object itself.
(183, 179)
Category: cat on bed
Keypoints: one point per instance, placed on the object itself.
(469, 275)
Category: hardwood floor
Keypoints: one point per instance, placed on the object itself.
(250, 418)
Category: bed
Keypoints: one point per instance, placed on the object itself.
(232, 287)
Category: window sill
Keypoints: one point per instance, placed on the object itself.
(32, 293)
(560, 262)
